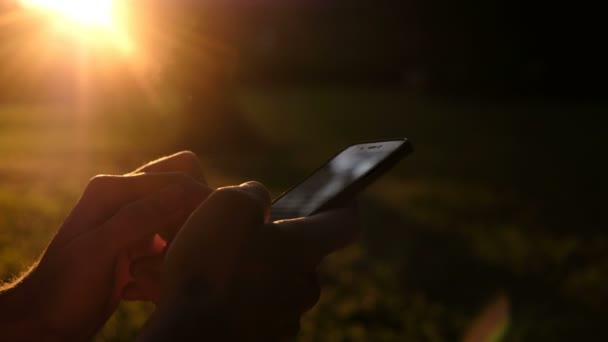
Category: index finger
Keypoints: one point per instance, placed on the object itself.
(314, 237)
(112, 192)
(105, 195)
(184, 161)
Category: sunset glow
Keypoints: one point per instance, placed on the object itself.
(97, 13)
(94, 23)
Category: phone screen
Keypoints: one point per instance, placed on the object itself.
(332, 179)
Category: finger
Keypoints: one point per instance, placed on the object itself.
(312, 238)
(146, 265)
(145, 288)
(173, 228)
(261, 196)
(140, 219)
(146, 278)
(148, 246)
(122, 274)
(185, 161)
(115, 191)
(145, 274)
(240, 206)
(151, 245)
(105, 195)
(214, 236)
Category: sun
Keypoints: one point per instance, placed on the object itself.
(92, 13)
(95, 24)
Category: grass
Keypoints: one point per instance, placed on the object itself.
(499, 200)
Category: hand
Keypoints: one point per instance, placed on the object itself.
(84, 272)
(231, 275)
(140, 267)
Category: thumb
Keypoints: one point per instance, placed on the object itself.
(312, 238)
(211, 240)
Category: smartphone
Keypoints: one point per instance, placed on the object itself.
(340, 179)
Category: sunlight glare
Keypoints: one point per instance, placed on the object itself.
(86, 12)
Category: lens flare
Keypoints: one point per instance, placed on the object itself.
(97, 24)
(85, 12)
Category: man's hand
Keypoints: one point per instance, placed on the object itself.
(141, 265)
(107, 249)
(231, 275)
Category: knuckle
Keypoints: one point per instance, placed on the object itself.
(238, 201)
(186, 156)
(98, 182)
(258, 189)
(191, 184)
(188, 161)
(98, 185)
(255, 183)
(187, 179)
(197, 191)
(233, 197)
(179, 178)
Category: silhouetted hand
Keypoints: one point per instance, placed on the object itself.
(145, 258)
(231, 275)
(119, 226)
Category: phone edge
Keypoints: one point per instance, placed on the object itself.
(392, 159)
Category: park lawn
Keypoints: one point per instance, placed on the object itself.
(462, 221)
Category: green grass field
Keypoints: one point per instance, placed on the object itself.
(500, 203)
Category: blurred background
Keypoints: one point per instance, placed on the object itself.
(494, 229)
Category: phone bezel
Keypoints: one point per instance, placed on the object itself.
(363, 181)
